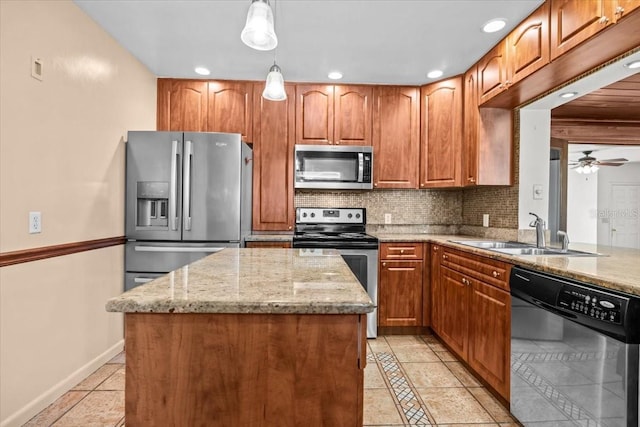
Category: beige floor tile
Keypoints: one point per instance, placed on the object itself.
(403, 340)
(446, 356)
(491, 404)
(380, 408)
(372, 377)
(434, 343)
(414, 353)
(99, 408)
(453, 406)
(432, 374)
(54, 411)
(94, 380)
(469, 425)
(461, 373)
(114, 382)
(379, 345)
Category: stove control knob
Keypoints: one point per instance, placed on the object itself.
(357, 215)
(304, 215)
(350, 216)
(313, 215)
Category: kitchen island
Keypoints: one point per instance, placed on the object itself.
(247, 337)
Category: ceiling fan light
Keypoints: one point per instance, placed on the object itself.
(258, 32)
(580, 169)
(594, 168)
(274, 87)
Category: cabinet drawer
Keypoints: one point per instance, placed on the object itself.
(488, 270)
(401, 251)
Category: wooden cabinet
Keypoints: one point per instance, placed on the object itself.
(434, 278)
(470, 128)
(472, 312)
(268, 243)
(622, 8)
(327, 114)
(441, 134)
(230, 108)
(528, 45)
(492, 73)
(400, 284)
(574, 21)
(396, 136)
(273, 146)
(182, 105)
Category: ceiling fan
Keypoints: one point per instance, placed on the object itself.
(588, 164)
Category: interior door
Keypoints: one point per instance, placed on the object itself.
(624, 219)
(212, 187)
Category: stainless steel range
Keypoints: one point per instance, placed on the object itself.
(343, 229)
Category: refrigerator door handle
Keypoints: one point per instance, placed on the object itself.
(173, 189)
(186, 201)
(207, 249)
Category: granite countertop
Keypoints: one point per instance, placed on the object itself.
(619, 269)
(269, 237)
(297, 281)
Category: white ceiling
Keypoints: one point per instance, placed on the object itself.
(375, 41)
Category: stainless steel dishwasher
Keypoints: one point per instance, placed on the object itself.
(574, 352)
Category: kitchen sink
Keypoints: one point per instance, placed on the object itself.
(518, 248)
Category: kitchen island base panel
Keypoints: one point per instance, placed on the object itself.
(244, 369)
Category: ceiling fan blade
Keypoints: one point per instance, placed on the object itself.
(609, 164)
(613, 160)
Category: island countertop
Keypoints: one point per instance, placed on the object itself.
(253, 281)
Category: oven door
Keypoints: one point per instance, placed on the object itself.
(364, 265)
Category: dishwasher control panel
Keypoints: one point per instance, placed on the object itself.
(597, 305)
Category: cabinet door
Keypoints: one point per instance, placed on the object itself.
(492, 73)
(273, 162)
(441, 134)
(455, 296)
(182, 105)
(623, 8)
(470, 129)
(436, 294)
(400, 293)
(314, 114)
(574, 21)
(230, 108)
(490, 335)
(396, 137)
(528, 45)
(352, 115)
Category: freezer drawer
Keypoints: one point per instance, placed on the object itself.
(131, 280)
(163, 257)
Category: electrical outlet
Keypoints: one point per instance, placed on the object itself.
(387, 218)
(485, 220)
(35, 222)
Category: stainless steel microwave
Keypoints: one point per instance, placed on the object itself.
(332, 167)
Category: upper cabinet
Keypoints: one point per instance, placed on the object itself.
(273, 130)
(230, 108)
(574, 21)
(528, 45)
(492, 73)
(182, 105)
(441, 134)
(396, 136)
(471, 117)
(327, 114)
(623, 7)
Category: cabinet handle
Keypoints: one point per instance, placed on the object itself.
(471, 179)
(375, 185)
(619, 11)
(603, 20)
(337, 142)
(290, 227)
(444, 256)
(384, 264)
(435, 249)
(401, 251)
(495, 274)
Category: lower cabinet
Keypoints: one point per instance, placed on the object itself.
(400, 284)
(471, 312)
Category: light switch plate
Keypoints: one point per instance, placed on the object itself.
(537, 191)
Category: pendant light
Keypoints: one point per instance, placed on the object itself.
(274, 88)
(258, 32)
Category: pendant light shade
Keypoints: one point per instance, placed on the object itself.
(274, 88)
(258, 32)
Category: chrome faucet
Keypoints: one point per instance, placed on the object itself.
(565, 240)
(539, 224)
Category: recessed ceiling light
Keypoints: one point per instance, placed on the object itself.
(434, 74)
(568, 94)
(335, 75)
(633, 65)
(494, 25)
(202, 71)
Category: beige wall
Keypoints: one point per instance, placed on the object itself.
(61, 153)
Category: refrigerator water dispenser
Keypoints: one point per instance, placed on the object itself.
(153, 204)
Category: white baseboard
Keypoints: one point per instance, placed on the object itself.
(48, 397)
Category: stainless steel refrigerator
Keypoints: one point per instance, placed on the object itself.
(188, 195)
